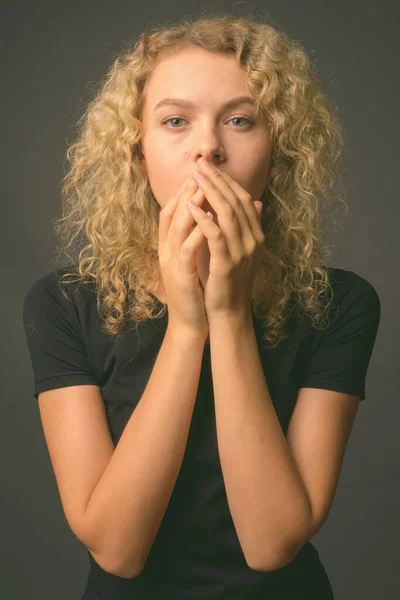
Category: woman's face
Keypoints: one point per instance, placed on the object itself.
(223, 135)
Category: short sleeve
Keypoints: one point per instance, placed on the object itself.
(341, 354)
(54, 338)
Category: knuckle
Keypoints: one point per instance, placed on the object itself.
(186, 249)
(237, 203)
(252, 248)
(230, 212)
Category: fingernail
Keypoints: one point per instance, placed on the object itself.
(193, 205)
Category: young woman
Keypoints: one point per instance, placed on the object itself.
(198, 368)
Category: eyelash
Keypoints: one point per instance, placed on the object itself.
(250, 121)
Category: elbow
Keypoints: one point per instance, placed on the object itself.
(267, 566)
(114, 567)
(280, 558)
(278, 561)
(287, 551)
(127, 570)
(262, 562)
(127, 573)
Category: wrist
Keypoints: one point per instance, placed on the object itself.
(234, 321)
(183, 333)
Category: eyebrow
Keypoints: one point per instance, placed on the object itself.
(189, 104)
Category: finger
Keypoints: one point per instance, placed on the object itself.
(171, 209)
(232, 218)
(190, 247)
(165, 216)
(216, 241)
(248, 206)
(183, 219)
(189, 189)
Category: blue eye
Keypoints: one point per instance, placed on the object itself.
(172, 119)
(249, 121)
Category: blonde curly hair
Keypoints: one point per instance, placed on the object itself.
(108, 232)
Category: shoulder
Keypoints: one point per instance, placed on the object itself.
(51, 305)
(349, 281)
(336, 356)
(353, 311)
(352, 292)
(52, 285)
(352, 295)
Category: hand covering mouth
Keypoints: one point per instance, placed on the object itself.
(207, 208)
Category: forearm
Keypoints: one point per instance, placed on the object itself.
(127, 505)
(266, 495)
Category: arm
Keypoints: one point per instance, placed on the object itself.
(127, 505)
(266, 495)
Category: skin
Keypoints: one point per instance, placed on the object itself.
(226, 139)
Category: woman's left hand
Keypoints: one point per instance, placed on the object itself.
(235, 243)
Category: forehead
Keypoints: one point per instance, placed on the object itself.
(197, 73)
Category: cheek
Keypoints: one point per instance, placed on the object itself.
(164, 186)
(257, 179)
(165, 177)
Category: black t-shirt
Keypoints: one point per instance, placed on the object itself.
(197, 544)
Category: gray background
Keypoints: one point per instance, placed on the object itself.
(52, 55)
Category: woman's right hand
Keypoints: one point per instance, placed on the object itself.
(177, 253)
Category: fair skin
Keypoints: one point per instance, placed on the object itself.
(279, 487)
(221, 135)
